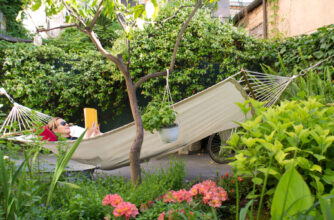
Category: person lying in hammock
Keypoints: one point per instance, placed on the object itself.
(60, 127)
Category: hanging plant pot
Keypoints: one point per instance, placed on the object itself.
(169, 134)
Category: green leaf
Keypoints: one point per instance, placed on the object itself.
(292, 195)
(37, 5)
(244, 210)
(316, 167)
(318, 54)
(303, 163)
(257, 181)
(325, 209)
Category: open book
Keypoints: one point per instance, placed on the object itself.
(90, 117)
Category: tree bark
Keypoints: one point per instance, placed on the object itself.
(138, 141)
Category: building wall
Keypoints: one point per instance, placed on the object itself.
(38, 19)
(294, 17)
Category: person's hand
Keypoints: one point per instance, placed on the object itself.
(93, 131)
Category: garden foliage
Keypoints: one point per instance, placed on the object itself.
(60, 78)
(296, 133)
(67, 74)
(58, 83)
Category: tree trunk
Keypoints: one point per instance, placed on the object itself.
(138, 141)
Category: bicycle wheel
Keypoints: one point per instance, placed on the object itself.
(215, 142)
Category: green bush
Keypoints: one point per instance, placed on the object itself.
(60, 84)
(208, 52)
(298, 133)
(68, 73)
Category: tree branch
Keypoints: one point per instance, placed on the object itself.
(147, 77)
(171, 67)
(75, 14)
(54, 28)
(96, 16)
(177, 11)
(116, 60)
(129, 51)
(13, 39)
(120, 22)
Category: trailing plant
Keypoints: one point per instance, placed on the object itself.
(298, 133)
(299, 52)
(158, 115)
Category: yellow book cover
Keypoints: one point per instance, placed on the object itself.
(90, 117)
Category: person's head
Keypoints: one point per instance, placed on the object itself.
(58, 125)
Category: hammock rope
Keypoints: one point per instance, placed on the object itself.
(21, 118)
(264, 87)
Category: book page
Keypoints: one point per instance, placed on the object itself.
(90, 117)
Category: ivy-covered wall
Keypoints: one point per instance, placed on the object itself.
(10, 10)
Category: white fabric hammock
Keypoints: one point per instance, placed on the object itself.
(199, 116)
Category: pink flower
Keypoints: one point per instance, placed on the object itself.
(182, 195)
(215, 202)
(162, 216)
(127, 209)
(107, 200)
(113, 200)
(150, 203)
(143, 207)
(168, 197)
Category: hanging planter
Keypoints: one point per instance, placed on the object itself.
(169, 134)
(161, 116)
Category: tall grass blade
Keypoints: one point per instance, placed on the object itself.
(60, 166)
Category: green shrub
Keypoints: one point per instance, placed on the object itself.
(60, 84)
(68, 73)
(312, 84)
(298, 133)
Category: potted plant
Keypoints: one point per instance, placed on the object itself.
(161, 117)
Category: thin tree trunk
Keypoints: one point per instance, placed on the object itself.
(138, 141)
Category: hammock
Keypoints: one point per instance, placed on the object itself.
(205, 113)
